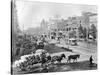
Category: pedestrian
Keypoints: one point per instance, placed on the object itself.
(91, 60)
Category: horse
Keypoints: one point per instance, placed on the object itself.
(74, 57)
(63, 55)
(58, 58)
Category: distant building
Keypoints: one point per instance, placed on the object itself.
(44, 26)
(93, 19)
(64, 26)
(85, 19)
(89, 18)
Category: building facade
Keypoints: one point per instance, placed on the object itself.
(58, 26)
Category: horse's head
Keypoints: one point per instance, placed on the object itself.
(63, 56)
(78, 56)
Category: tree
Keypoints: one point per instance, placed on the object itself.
(72, 34)
(80, 30)
(93, 31)
(85, 33)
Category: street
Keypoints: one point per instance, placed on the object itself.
(84, 49)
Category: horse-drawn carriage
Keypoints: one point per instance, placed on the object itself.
(73, 42)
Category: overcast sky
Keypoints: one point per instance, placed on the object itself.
(31, 13)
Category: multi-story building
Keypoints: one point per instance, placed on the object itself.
(44, 26)
(64, 26)
(89, 18)
(93, 19)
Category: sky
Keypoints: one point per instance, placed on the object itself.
(31, 13)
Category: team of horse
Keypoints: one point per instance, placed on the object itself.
(63, 56)
(45, 59)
